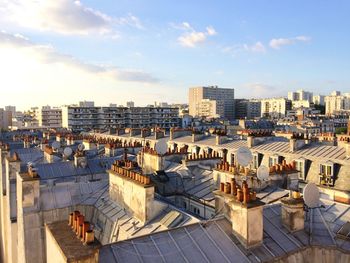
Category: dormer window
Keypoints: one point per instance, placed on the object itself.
(257, 158)
(300, 165)
(327, 173)
(275, 159)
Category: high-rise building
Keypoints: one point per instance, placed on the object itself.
(318, 99)
(275, 107)
(300, 95)
(86, 103)
(87, 118)
(337, 103)
(248, 109)
(49, 117)
(224, 97)
(130, 104)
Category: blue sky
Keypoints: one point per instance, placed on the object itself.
(59, 52)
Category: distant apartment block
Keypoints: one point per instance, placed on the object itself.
(337, 103)
(275, 107)
(86, 103)
(130, 104)
(300, 95)
(86, 118)
(201, 100)
(318, 99)
(5, 119)
(249, 109)
(49, 117)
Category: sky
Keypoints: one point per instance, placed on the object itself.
(56, 52)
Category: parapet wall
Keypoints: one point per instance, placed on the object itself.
(316, 254)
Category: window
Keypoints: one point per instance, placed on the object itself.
(300, 165)
(327, 173)
(326, 169)
(275, 159)
(256, 160)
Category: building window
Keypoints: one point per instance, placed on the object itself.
(327, 173)
(275, 159)
(300, 165)
(257, 157)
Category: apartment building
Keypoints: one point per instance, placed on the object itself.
(337, 103)
(275, 107)
(86, 118)
(199, 96)
(300, 95)
(5, 119)
(318, 99)
(49, 117)
(249, 109)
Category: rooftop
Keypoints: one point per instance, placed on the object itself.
(71, 247)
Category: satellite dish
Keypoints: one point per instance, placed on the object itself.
(263, 173)
(311, 195)
(67, 151)
(81, 147)
(244, 156)
(56, 145)
(161, 146)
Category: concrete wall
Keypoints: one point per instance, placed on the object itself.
(52, 249)
(136, 198)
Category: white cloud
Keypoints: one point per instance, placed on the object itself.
(261, 90)
(234, 50)
(191, 38)
(258, 47)
(47, 55)
(277, 43)
(36, 74)
(62, 16)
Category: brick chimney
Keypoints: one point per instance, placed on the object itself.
(293, 215)
(48, 154)
(295, 144)
(220, 139)
(245, 212)
(28, 189)
(132, 190)
(250, 141)
(89, 144)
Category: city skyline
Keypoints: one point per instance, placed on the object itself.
(61, 52)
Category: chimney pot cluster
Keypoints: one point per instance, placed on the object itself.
(279, 168)
(81, 228)
(150, 150)
(182, 150)
(242, 194)
(204, 156)
(226, 167)
(124, 168)
(257, 133)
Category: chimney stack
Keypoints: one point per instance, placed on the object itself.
(293, 212)
(245, 212)
(250, 141)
